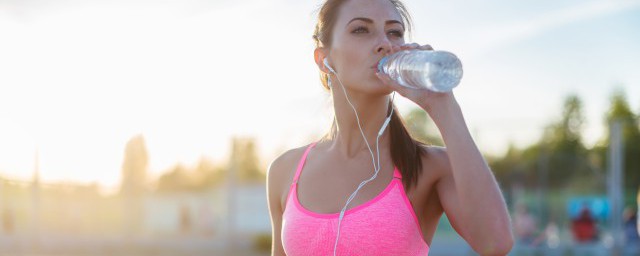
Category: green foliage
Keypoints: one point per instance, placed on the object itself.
(557, 158)
(563, 160)
(422, 128)
(262, 242)
(245, 161)
(180, 178)
(559, 166)
(620, 111)
(568, 129)
(177, 179)
(562, 150)
(510, 168)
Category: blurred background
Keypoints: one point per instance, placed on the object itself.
(146, 127)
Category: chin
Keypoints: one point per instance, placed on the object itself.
(379, 87)
(376, 88)
(372, 85)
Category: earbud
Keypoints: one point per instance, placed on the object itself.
(326, 64)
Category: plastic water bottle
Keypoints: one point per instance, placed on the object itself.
(438, 71)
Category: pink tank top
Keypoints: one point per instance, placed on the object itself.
(386, 225)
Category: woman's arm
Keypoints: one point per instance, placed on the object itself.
(275, 177)
(468, 190)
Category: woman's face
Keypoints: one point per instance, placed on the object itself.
(363, 33)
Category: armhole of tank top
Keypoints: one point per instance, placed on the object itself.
(298, 168)
(292, 183)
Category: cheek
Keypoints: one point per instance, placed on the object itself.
(351, 51)
(352, 59)
(356, 59)
(348, 53)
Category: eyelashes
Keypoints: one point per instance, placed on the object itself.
(360, 30)
(397, 33)
(393, 32)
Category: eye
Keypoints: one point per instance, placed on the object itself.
(397, 33)
(360, 30)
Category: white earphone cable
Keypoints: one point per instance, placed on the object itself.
(376, 166)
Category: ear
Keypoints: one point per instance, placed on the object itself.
(318, 56)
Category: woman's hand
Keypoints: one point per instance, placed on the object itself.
(423, 97)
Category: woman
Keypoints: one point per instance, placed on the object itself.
(397, 212)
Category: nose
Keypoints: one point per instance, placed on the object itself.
(383, 46)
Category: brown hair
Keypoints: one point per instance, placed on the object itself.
(405, 150)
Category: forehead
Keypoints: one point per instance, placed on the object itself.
(377, 10)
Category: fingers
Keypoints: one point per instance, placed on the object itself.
(412, 46)
(396, 48)
(426, 47)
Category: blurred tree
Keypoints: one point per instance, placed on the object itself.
(510, 168)
(203, 176)
(133, 184)
(176, 179)
(559, 155)
(134, 167)
(244, 159)
(207, 174)
(422, 128)
(568, 129)
(620, 110)
(561, 150)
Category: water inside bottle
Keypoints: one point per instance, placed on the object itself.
(412, 72)
(436, 71)
(445, 71)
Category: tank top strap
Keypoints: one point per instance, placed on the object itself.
(396, 173)
(302, 161)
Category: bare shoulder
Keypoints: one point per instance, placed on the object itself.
(436, 161)
(435, 167)
(281, 171)
(283, 166)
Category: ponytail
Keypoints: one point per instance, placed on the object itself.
(406, 152)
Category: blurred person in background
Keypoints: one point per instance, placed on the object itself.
(630, 218)
(396, 213)
(185, 219)
(524, 225)
(7, 221)
(584, 226)
(550, 235)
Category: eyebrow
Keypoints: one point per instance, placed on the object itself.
(367, 20)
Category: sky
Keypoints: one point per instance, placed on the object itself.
(78, 79)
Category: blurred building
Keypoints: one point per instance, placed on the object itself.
(207, 213)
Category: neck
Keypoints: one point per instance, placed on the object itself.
(372, 112)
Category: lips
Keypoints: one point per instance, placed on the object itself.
(375, 66)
